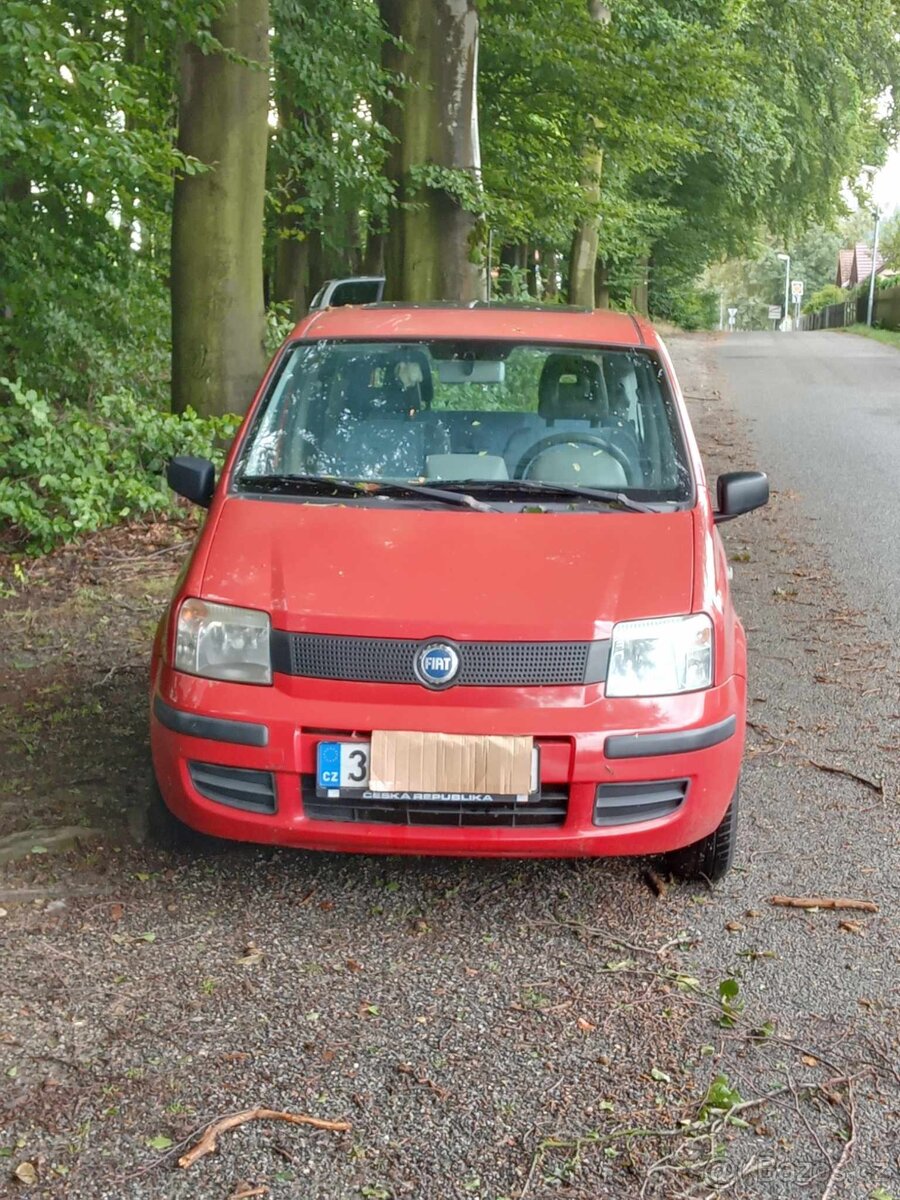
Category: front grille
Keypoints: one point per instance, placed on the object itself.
(548, 808)
(626, 803)
(482, 664)
(252, 790)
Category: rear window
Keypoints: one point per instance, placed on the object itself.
(471, 412)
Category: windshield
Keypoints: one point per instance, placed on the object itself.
(470, 413)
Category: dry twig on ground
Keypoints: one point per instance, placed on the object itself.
(823, 902)
(208, 1142)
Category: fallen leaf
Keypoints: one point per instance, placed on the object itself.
(26, 1173)
(116, 911)
(660, 1076)
(353, 965)
(809, 1059)
(585, 1026)
(252, 955)
(160, 1142)
(3, 912)
(734, 926)
(146, 937)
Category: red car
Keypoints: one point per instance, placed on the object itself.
(459, 591)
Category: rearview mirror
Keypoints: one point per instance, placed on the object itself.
(193, 478)
(740, 492)
(470, 370)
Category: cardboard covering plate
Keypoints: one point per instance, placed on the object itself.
(450, 762)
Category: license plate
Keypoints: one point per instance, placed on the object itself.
(342, 773)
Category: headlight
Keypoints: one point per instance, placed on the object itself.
(219, 641)
(661, 657)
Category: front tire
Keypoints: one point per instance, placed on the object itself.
(167, 831)
(711, 857)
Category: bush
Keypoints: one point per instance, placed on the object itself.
(67, 469)
(686, 305)
(829, 294)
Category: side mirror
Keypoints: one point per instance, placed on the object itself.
(740, 492)
(193, 478)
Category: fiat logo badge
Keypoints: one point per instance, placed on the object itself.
(436, 664)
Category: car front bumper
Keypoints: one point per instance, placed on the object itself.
(202, 730)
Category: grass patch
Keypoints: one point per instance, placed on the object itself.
(889, 337)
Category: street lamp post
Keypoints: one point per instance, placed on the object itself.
(786, 259)
(877, 216)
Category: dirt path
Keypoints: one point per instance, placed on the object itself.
(489, 1030)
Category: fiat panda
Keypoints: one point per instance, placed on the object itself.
(459, 591)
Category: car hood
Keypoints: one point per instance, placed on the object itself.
(413, 572)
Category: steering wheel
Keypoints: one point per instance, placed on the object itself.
(584, 439)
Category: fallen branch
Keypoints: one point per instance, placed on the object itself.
(874, 785)
(850, 1144)
(823, 902)
(207, 1143)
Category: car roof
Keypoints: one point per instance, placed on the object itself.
(538, 323)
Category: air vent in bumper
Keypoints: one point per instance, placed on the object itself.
(252, 790)
(626, 803)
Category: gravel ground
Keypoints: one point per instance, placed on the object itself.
(488, 1030)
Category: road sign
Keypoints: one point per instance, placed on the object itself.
(796, 288)
(774, 312)
(732, 312)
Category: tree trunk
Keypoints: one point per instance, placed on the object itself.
(291, 276)
(601, 284)
(550, 262)
(640, 292)
(532, 273)
(373, 261)
(586, 238)
(429, 247)
(218, 317)
(587, 233)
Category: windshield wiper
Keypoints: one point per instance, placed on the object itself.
(336, 486)
(541, 487)
(312, 484)
(428, 493)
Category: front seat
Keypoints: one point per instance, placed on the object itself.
(571, 398)
(383, 427)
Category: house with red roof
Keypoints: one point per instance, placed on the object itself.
(855, 265)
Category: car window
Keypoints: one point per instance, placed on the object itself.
(355, 291)
(471, 410)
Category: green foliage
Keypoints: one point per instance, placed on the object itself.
(86, 163)
(329, 147)
(686, 305)
(730, 1003)
(829, 294)
(721, 1098)
(66, 469)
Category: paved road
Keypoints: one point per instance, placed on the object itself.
(825, 415)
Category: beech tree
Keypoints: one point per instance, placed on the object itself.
(434, 162)
(218, 315)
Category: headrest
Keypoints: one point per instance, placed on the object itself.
(397, 384)
(571, 388)
(617, 370)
